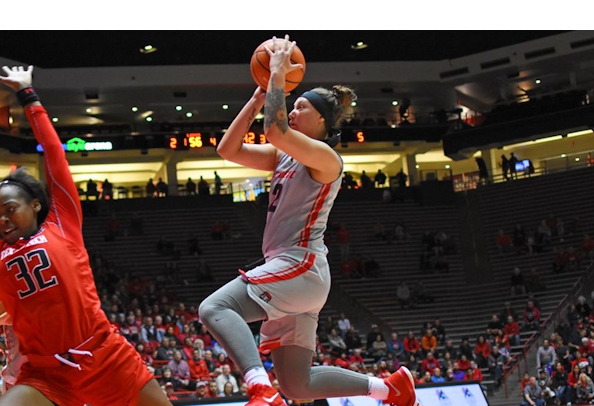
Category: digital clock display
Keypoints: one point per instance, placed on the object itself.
(199, 140)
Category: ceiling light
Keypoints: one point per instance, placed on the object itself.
(89, 110)
(447, 166)
(10, 120)
(359, 45)
(259, 116)
(394, 102)
(55, 119)
(149, 119)
(537, 81)
(417, 166)
(353, 104)
(563, 155)
(189, 114)
(225, 106)
(577, 159)
(135, 109)
(148, 49)
(393, 126)
(178, 108)
(579, 133)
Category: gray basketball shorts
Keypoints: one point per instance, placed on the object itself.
(292, 287)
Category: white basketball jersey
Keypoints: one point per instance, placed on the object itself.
(298, 208)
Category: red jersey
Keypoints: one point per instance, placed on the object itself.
(46, 282)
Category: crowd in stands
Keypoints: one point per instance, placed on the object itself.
(545, 237)
(564, 367)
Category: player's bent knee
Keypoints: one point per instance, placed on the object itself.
(24, 395)
(152, 395)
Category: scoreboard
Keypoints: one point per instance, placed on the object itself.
(189, 141)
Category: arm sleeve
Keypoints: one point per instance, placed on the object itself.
(65, 209)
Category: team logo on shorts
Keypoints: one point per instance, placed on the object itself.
(265, 296)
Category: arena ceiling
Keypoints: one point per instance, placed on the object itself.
(210, 69)
(72, 49)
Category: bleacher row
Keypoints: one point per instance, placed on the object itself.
(464, 310)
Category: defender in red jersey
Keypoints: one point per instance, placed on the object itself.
(47, 287)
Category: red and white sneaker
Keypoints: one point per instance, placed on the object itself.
(401, 388)
(264, 395)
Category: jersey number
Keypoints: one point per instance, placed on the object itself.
(33, 278)
(278, 188)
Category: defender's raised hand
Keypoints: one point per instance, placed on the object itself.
(17, 78)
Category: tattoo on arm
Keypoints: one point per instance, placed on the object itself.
(275, 109)
(251, 119)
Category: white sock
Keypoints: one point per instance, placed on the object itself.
(257, 375)
(377, 388)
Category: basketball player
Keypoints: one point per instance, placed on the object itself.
(290, 288)
(47, 287)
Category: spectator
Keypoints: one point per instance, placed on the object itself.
(502, 340)
(508, 311)
(180, 370)
(533, 394)
(190, 187)
(162, 188)
(458, 374)
(379, 347)
(167, 377)
(225, 377)
(504, 166)
(203, 188)
(396, 347)
(348, 181)
(371, 336)
(169, 389)
(584, 389)
(429, 342)
(544, 234)
(449, 348)
(151, 189)
(412, 345)
(512, 330)
(560, 261)
(474, 374)
(439, 331)
(106, 190)
(583, 308)
(164, 352)
(559, 384)
(218, 230)
(482, 350)
(545, 356)
(483, 171)
(401, 178)
(494, 325)
(519, 238)
(518, 285)
(213, 389)
(380, 178)
(573, 259)
(148, 333)
(512, 166)
(437, 377)
(344, 325)
(218, 183)
(495, 362)
(352, 339)
(343, 238)
(198, 369)
(92, 189)
(337, 344)
(201, 391)
(366, 182)
(531, 317)
(465, 349)
(403, 295)
(503, 241)
(430, 363)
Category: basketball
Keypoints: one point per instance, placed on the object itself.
(260, 66)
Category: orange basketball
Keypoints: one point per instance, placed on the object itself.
(260, 66)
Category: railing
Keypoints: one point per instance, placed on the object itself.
(550, 323)
(471, 180)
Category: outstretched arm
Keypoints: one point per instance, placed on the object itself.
(232, 148)
(65, 209)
